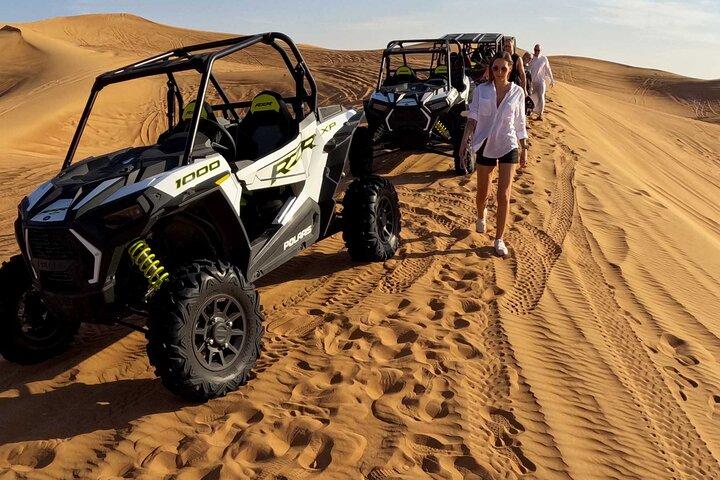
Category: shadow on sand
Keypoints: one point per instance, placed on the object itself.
(79, 408)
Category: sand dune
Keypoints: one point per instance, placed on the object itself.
(22, 60)
(667, 92)
(592, 353)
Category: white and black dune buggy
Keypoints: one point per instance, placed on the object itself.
(177, 230)
(421, 92)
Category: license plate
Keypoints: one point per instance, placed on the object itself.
(51, 265)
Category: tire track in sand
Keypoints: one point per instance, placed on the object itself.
(614, 340)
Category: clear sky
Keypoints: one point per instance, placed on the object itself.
(679, 36)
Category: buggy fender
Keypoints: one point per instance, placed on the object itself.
(337, 166)
(216, 228)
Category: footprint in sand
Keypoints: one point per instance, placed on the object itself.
(303, 365)
(431, 465)
(318, 454)
(460, 323)
(36, 456)
(505, 427)
(438, 308)
(245, 416)
(491, 293)
(683, 382)
(462, 348)
(160, 461)
(460, 233)
(470, 469)
(469, 305)
(684, 352)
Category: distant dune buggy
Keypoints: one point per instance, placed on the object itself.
(478, 49)
(177, 230)
(421, 93)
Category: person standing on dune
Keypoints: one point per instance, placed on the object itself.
(540, 73)
(528, 76)
(496, 121)
(517, 73)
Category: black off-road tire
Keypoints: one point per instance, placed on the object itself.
(371, 216)
(30, 334)
(176, 317)
(466, 164)
(361, 152)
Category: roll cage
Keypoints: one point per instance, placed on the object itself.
(473, 43)
(201, 58)
(440, 49)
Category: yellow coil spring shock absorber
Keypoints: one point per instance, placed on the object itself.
(142, 257)
(442, 129)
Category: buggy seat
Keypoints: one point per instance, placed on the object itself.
(403, 74)
(440, 71)
(184, 124)
(206, 113)
(267, 126)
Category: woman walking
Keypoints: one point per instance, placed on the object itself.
(517, 71)
(496, 121)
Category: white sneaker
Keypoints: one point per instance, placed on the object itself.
(480, 225)
(500, 247)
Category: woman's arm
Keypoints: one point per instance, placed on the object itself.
(469, 130)
(521, 130)
(521, 74)
(472, 119)
(519, 120)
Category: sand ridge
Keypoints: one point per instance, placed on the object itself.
(591, 353)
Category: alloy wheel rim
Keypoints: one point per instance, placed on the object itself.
(219, 332)
(385, 219)
(36, 323)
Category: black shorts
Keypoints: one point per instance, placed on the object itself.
(510, 157)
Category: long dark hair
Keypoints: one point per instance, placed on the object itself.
(499, 56)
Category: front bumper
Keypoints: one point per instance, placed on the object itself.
(401, 120)
(74, 277)
(90, 307)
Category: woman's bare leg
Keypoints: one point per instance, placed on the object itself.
(483, 187)
(505, 178)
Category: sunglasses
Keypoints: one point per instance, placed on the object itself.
(499, 69)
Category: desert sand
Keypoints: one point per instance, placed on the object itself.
(591, 353)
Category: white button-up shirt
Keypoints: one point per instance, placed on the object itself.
(540, 69)
(501, 126)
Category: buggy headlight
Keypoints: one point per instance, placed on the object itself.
(407, 102)
(437, 105)
(124, 216)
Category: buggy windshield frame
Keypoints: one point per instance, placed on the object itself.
(201, 58)
(438, 48)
